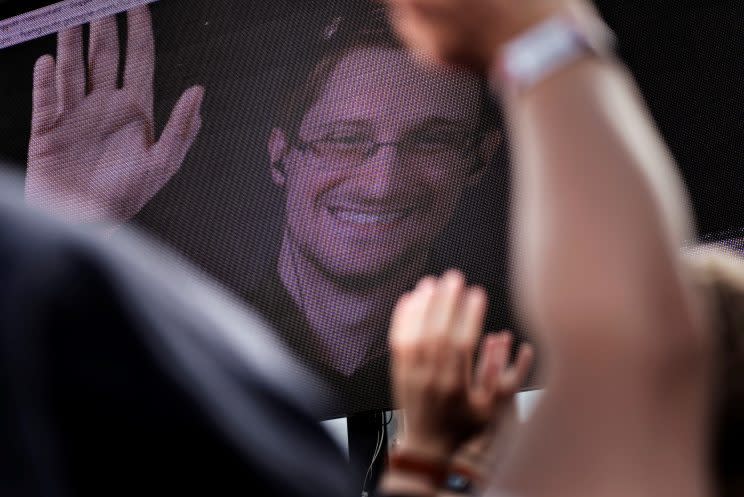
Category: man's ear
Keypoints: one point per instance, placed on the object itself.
(487, 149)
(278, 148)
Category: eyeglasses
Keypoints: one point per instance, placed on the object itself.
(446, 152)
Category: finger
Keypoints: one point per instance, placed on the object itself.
(70, 69)
(169, 153)
(103, 56)
(428, 281)
(44, 111)
(399, 321)
(421, 307)
(406, 356)
(446, 303)
(496, 365)
(490, 391)
(408, 339)
(505, 349)
(516, 376)
(486, 358)
(182, 127)
(139, 71)
(468, 327)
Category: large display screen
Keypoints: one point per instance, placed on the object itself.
(295, 152)
(292, 150)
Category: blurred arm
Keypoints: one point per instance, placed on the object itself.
(600, 214)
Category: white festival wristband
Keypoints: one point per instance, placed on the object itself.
(548, 47)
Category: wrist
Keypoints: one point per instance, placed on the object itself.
(396, 482)
(419, 463)
(554, 41)
(471, 460)
(430, 449)
(427, 471)
(528, 17)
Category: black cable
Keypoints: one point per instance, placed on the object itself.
(378, 448)
(387, 422)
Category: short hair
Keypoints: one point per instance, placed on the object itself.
(364, 29)
(720, 274)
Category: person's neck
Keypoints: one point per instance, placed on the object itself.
(349, 323)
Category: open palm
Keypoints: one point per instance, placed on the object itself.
(93, 154)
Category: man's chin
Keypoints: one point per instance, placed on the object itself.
(362, 275)
(357, 269)
(357, 276)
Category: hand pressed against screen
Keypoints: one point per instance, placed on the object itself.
(93, 154)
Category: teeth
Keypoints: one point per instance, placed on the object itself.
(367, 218)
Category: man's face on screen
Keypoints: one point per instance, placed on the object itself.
(381, 160)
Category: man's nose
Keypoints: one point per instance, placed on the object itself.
(382, 173)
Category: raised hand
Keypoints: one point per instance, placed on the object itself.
(434, 333)
(93, 154)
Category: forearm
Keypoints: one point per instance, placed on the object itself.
(600, 211)
(600, 214)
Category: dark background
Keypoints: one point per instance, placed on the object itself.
(222, 210)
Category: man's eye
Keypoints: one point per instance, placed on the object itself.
(347, 140)
(434, 139)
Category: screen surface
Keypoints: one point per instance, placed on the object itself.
(295, 152)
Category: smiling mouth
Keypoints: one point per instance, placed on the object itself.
(367, 218)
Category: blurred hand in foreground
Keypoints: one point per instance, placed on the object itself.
(447, 402)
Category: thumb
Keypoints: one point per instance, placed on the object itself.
(497, 363)
(180, 132)
(486, 387)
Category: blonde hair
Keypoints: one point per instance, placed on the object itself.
(719, 272)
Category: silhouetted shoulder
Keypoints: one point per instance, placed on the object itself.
(125, 370)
